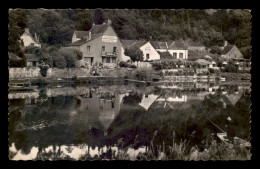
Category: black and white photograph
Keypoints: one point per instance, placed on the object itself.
(129, 84)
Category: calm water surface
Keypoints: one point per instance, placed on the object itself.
(69, 122)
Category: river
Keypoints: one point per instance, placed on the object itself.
(68, 122)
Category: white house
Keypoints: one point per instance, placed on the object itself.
(176, 48)
(29, 40)
(148, 50)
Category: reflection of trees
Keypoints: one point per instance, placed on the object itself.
(133, 98)
(132, 121)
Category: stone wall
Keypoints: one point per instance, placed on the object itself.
(34, 72)
(67, 72)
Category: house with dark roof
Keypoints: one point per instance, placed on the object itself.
(231, 52)
(28, 40)
(148, 50)
(177, 49)
(100, 44)
(32, 60)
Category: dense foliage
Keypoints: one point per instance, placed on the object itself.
(135, 54)
(55, 27)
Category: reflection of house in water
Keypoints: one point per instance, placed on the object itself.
(179, 100)
(101, 107)
(230, 99)
(148, 100)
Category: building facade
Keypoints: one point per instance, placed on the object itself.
(100, 44)
(32, 60)
(148, 50)
(177, 49)
(231, 52)
(28, 40)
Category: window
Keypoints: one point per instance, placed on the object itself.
(103, 59)
(88, 48)
(34, 63)
(114, 49)
(147, 56)
(108, 59)
(181, 56)
(103, 48)
(113, 60)
(174, 55)
(32, 44)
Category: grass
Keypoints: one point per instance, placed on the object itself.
(213, 150)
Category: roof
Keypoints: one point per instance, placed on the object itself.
(81, 34)
(194, 44)
(168, 45)
(13, 57)
(96, 29)
(29, 34)
(133, 43)
(227, 49)
(177, 45)
(203, 61)
(31, 57)
(83, 41)
(128, 43)
(232, 98)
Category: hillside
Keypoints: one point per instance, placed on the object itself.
(209, 28)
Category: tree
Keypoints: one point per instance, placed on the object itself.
(84, 20)
(17, 24)
(70, 55)
(59, 60)
(135, 54)
(43, 70)
(99, 17)
(165, 55)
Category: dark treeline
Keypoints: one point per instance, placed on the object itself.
(55, 27)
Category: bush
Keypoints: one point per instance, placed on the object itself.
(40, 81)
(211, 70)
(59, 60)
(123, 64)
(43, 70)
(141, 74)
(157, 65)
(133, 66)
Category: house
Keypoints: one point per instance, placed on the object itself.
(177, 49)
(32, 60)
(100, 44)
(231, 52)
(28, 40)
(213, 65)
(204, 63)
(148, 100)
(148, 50)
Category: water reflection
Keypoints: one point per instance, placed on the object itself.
(71, 122)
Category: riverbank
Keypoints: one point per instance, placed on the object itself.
(214, 150)
(119, 75)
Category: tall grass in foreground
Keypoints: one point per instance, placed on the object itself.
(213, 150)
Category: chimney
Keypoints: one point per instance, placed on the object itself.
(26, 30)
(225, 43)
(93, 24)
(109, 21)
(89, 35)
(35, 36)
